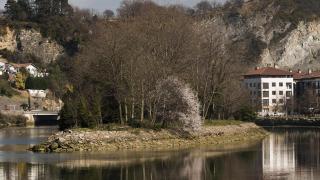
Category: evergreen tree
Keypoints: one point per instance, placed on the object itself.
(25, 10)
(96, 110)
(11, 9)
(67, 119)
(43, 9)
(83, 113)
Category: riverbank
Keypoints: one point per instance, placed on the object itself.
(290, 121)
(7, 120)
(146, 139)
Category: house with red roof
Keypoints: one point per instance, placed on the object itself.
(271, 90)
(308, 89)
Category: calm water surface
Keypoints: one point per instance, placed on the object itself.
(288, 153)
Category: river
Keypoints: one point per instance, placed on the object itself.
(288, 153)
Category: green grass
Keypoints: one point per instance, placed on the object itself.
(222, 122)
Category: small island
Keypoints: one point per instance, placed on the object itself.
(126, 138)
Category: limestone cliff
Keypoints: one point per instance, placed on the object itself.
(267, 32)
(300, 48)
(30, 41)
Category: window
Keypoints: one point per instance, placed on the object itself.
(281, 101)
(274, 101)
(280, 92)
(254, 84)
(274, 93)
(280, 84)
(289, 85)
(265, 110)
(259, 93)
(265, 85)
(288, 93)
(265, 93)
(259, 85)
(273, 84)
(250, 84)
(265, 102)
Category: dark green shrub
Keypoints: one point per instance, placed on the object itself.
(5, 89)
(245, 114)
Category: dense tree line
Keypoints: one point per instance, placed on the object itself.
(119, 74)
(116, 76)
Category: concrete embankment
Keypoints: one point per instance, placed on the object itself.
(302, 121)
(145, 139)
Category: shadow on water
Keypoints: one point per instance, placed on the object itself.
(288, 153)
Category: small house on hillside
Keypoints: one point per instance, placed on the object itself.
(30, 68)
(37, 93)
(2, 66)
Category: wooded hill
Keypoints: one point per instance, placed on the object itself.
(114, 66)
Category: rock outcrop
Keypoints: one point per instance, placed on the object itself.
(30, 41)
(268, 32)
(8, 40)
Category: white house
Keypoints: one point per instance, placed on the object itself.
(2, 67)
(30, 68)
(37, 93)
(271, 90)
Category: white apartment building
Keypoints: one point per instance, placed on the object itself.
(271, 90)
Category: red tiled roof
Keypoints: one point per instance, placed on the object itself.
(268, 71)
(20, 65)
(302, 75)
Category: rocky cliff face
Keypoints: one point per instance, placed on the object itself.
(8, 40)
(298, 49)
(286, 33)
(30, 41)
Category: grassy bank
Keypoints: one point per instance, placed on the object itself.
(12, 120)
(146, 139)
(222, 122)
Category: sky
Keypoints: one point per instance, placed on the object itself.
(101, 5)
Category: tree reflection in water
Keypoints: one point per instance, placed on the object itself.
(288, 153)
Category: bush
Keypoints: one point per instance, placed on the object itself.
(36, 83)
(135, 123)
(245, 114)
(12, 120)
(5, 89)
(66, 117)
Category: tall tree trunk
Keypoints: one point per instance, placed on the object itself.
(150, 112)
(142, 104)
(142, 110)
(132, 109)
(120, 113)
(126, 109)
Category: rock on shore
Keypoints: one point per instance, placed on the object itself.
(141, 139)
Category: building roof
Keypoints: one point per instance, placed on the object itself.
(306, 75)
(268, 71)
(21, 65)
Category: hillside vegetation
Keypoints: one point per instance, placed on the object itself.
(114, 68)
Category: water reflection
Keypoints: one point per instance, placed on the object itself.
(292, 153)
(288, 153)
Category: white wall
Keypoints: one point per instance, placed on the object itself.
(256, 89)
